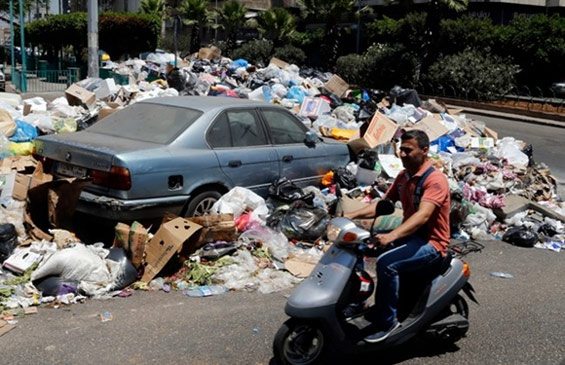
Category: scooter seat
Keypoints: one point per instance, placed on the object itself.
(445, 264)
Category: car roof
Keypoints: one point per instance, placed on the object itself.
(205, 103)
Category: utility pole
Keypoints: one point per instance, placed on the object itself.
(24, 52)
(93, 38)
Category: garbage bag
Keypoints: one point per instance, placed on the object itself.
(237, 200)
(54, 285)
(25, 132)
(405, 96)
(521, 236)
(7, 124)
(344, 178)
(285, 190)
(215, 250)
(297, 93)
(8, 240)
(126, 274)
(367, 159)
(458, 212)
(304, 223)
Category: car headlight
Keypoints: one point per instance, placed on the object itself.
(333, 232)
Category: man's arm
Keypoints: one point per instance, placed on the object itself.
(409, 226)
(367, 211)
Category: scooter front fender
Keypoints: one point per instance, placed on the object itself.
(320, 291)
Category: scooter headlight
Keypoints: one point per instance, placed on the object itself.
(333, 232)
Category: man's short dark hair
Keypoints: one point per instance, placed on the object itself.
(420, 136)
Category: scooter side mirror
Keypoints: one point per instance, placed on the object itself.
(384, 207)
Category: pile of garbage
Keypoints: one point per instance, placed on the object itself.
(247, 242)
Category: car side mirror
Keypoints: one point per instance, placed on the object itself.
(311, 138)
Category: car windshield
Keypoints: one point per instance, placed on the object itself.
(147, 122)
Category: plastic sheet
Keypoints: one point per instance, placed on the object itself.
(276, 242)
(25, 132)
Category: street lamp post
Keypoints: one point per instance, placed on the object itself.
(13, 58)
(24, 69)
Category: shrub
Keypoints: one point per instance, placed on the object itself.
(290, 54)
(255, 51)
(353, 69)
(473, 73)
(466, 32)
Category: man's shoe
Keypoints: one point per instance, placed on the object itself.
(382, 335)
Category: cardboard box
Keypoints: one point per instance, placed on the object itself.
(491, 133)
(215, 227)
(77, 95)
(22, 260)
(17, 185)
(121, 238)
(107, 88)
(336, 85)
(482, 142)
(209, 53)
(380, 130)
(433, 128)
(169, 239)
(137, 239)
(313, 107)
(280, 63)
(104, 112)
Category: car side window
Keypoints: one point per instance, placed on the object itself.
(246, 129)
(284, 129)
(219, 135)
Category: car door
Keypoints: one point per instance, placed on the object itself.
(240, 143)
(301, 163)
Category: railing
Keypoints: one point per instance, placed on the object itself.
(532, 97)
(45, 80)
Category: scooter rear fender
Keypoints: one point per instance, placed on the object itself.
(318, 294)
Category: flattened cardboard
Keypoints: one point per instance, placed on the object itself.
(280, 63)
(5, 327)
(433, 128)
(169, 239)
(104, 112)
(16, 184)
(491, 133)
(77, 95)
(336, 85)
(215, 227)
(299, 268)
(209, 53)
(380, 130)
(121, 238)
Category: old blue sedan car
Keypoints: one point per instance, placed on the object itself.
(180, 154)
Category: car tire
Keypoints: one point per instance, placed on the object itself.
(202, 203)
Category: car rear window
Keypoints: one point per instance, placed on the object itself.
(147, 122)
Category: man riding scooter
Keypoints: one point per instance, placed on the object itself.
(422, 238)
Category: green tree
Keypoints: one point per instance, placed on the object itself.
(231, 17)
(196, 15)
(277, 24)
(330, 12)
(157, 8)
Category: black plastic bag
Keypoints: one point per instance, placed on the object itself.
(401, 96)
(458, 212)
(529, 151)
(344, 178)
(367, 159)
(521, 236)
(285, 190)
(304, 224)
(51, 286)
(215, 250)
(128, 273)
(8, 240)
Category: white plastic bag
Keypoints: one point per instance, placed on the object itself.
(276, 242)
(509, 148)
(236, 201)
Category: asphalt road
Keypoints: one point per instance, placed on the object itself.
(518, 321)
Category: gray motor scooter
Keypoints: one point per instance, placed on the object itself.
(323, 307)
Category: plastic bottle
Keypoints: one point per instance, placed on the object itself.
(502, 275)
(206, 291)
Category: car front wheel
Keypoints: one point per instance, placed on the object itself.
(202, 203)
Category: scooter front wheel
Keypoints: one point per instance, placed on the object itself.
(299, 342)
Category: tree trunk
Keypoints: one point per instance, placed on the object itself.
(195, 38)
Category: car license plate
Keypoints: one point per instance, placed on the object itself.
(70, 170)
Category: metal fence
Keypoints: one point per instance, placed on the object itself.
(45, 80)
(532, 96)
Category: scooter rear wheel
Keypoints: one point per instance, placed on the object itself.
(299, 342)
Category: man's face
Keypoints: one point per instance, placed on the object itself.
(412, 155)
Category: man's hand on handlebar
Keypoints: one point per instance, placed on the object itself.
(385, 238)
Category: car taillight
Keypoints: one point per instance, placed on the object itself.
(117, 178)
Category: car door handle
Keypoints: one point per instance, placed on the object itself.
(288, 158)
(234, 163)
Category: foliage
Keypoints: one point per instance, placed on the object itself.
(119, 33)
(408, 31)
(290, 54)
(231, 17)
(196, 14)
(381, 66)
(183, 44)
(255, 51)
(276, 24)
(538, 45)
(155, 7)
(475, 73)
(467, 32)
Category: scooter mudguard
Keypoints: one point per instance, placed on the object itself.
(319, 292)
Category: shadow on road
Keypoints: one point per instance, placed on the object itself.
(410, 350)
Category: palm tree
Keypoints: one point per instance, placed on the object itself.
(196, 14)
(330, 12)
(230, 18)
(276, 24)
(155, 7)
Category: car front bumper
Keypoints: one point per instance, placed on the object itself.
(129, 210)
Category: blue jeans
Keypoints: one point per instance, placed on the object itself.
(412, 253)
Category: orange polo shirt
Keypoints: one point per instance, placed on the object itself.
(435, 191)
